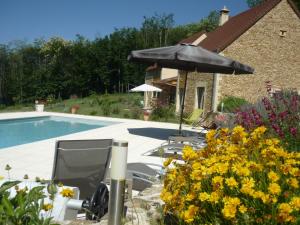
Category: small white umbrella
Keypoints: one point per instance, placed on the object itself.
(146, 88)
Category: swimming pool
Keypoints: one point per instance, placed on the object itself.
(26, 130)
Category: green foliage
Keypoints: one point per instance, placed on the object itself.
(136, 113)
(163, 113)
(253, 3)
(24, 208)
(106, 109)
(94, 112)
(116, 109)
(231, 104)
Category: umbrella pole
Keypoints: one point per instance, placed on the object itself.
(182, 103)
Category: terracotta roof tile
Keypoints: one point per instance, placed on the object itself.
(223, 36)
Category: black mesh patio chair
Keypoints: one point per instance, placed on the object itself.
(82, 164)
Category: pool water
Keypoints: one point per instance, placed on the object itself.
(26, 130)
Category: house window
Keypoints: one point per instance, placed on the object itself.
(200, 97)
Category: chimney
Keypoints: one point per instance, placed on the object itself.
(224, 16)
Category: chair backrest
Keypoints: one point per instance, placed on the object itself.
(196, 114)
(81, 163)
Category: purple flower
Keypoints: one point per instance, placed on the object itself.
(278, 130)
(267, 103)
(293, 131)
(294, 102)
(283, 114)
(272, 116)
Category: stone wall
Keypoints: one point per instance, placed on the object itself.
(274, 58)
(197, 80)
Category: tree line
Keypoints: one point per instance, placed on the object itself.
(59, 68)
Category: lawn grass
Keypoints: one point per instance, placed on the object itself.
(110, 105)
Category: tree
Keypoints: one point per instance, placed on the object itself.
(253, 3)
(155, 30)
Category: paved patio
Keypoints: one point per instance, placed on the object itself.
(36, 159)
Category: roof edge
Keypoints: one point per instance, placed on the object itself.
(248, 27)
(294, 7)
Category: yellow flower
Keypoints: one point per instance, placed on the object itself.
(293, 182)
(203, 196)
(210, 135)
(274, 188)
(217, 181)
(214, 197)
(196, 165)
(295, 203)
(231, 182)
(265, 198)
(166, 196)
(67, 192)
(285, 208)
(196, 175)
(241, 170)
(47, 207)
(242, 209)
(1, 177)
(229, 211)
(167, 162)
(247, 186)
(190, 213)
(188, 153)
(190, 197)
(235, 166)
(273, 176)
(197, 186)
(238, 134)
(230, 207)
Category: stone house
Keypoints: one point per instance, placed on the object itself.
(266, 37)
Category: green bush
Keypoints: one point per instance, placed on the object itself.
(136, 113)
(94, 112)
(106, 109)
(231, 104)
(163, 113)
(24, 208)
(116, 109)
(126, 114)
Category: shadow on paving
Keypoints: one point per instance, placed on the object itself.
(158, 133)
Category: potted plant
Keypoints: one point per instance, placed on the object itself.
(74, 109)
(146, 115)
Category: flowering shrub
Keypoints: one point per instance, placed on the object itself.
(238, 178)
(279, 113)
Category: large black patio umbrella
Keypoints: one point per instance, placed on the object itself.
(189, 58)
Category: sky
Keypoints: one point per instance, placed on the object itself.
(30, 19)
